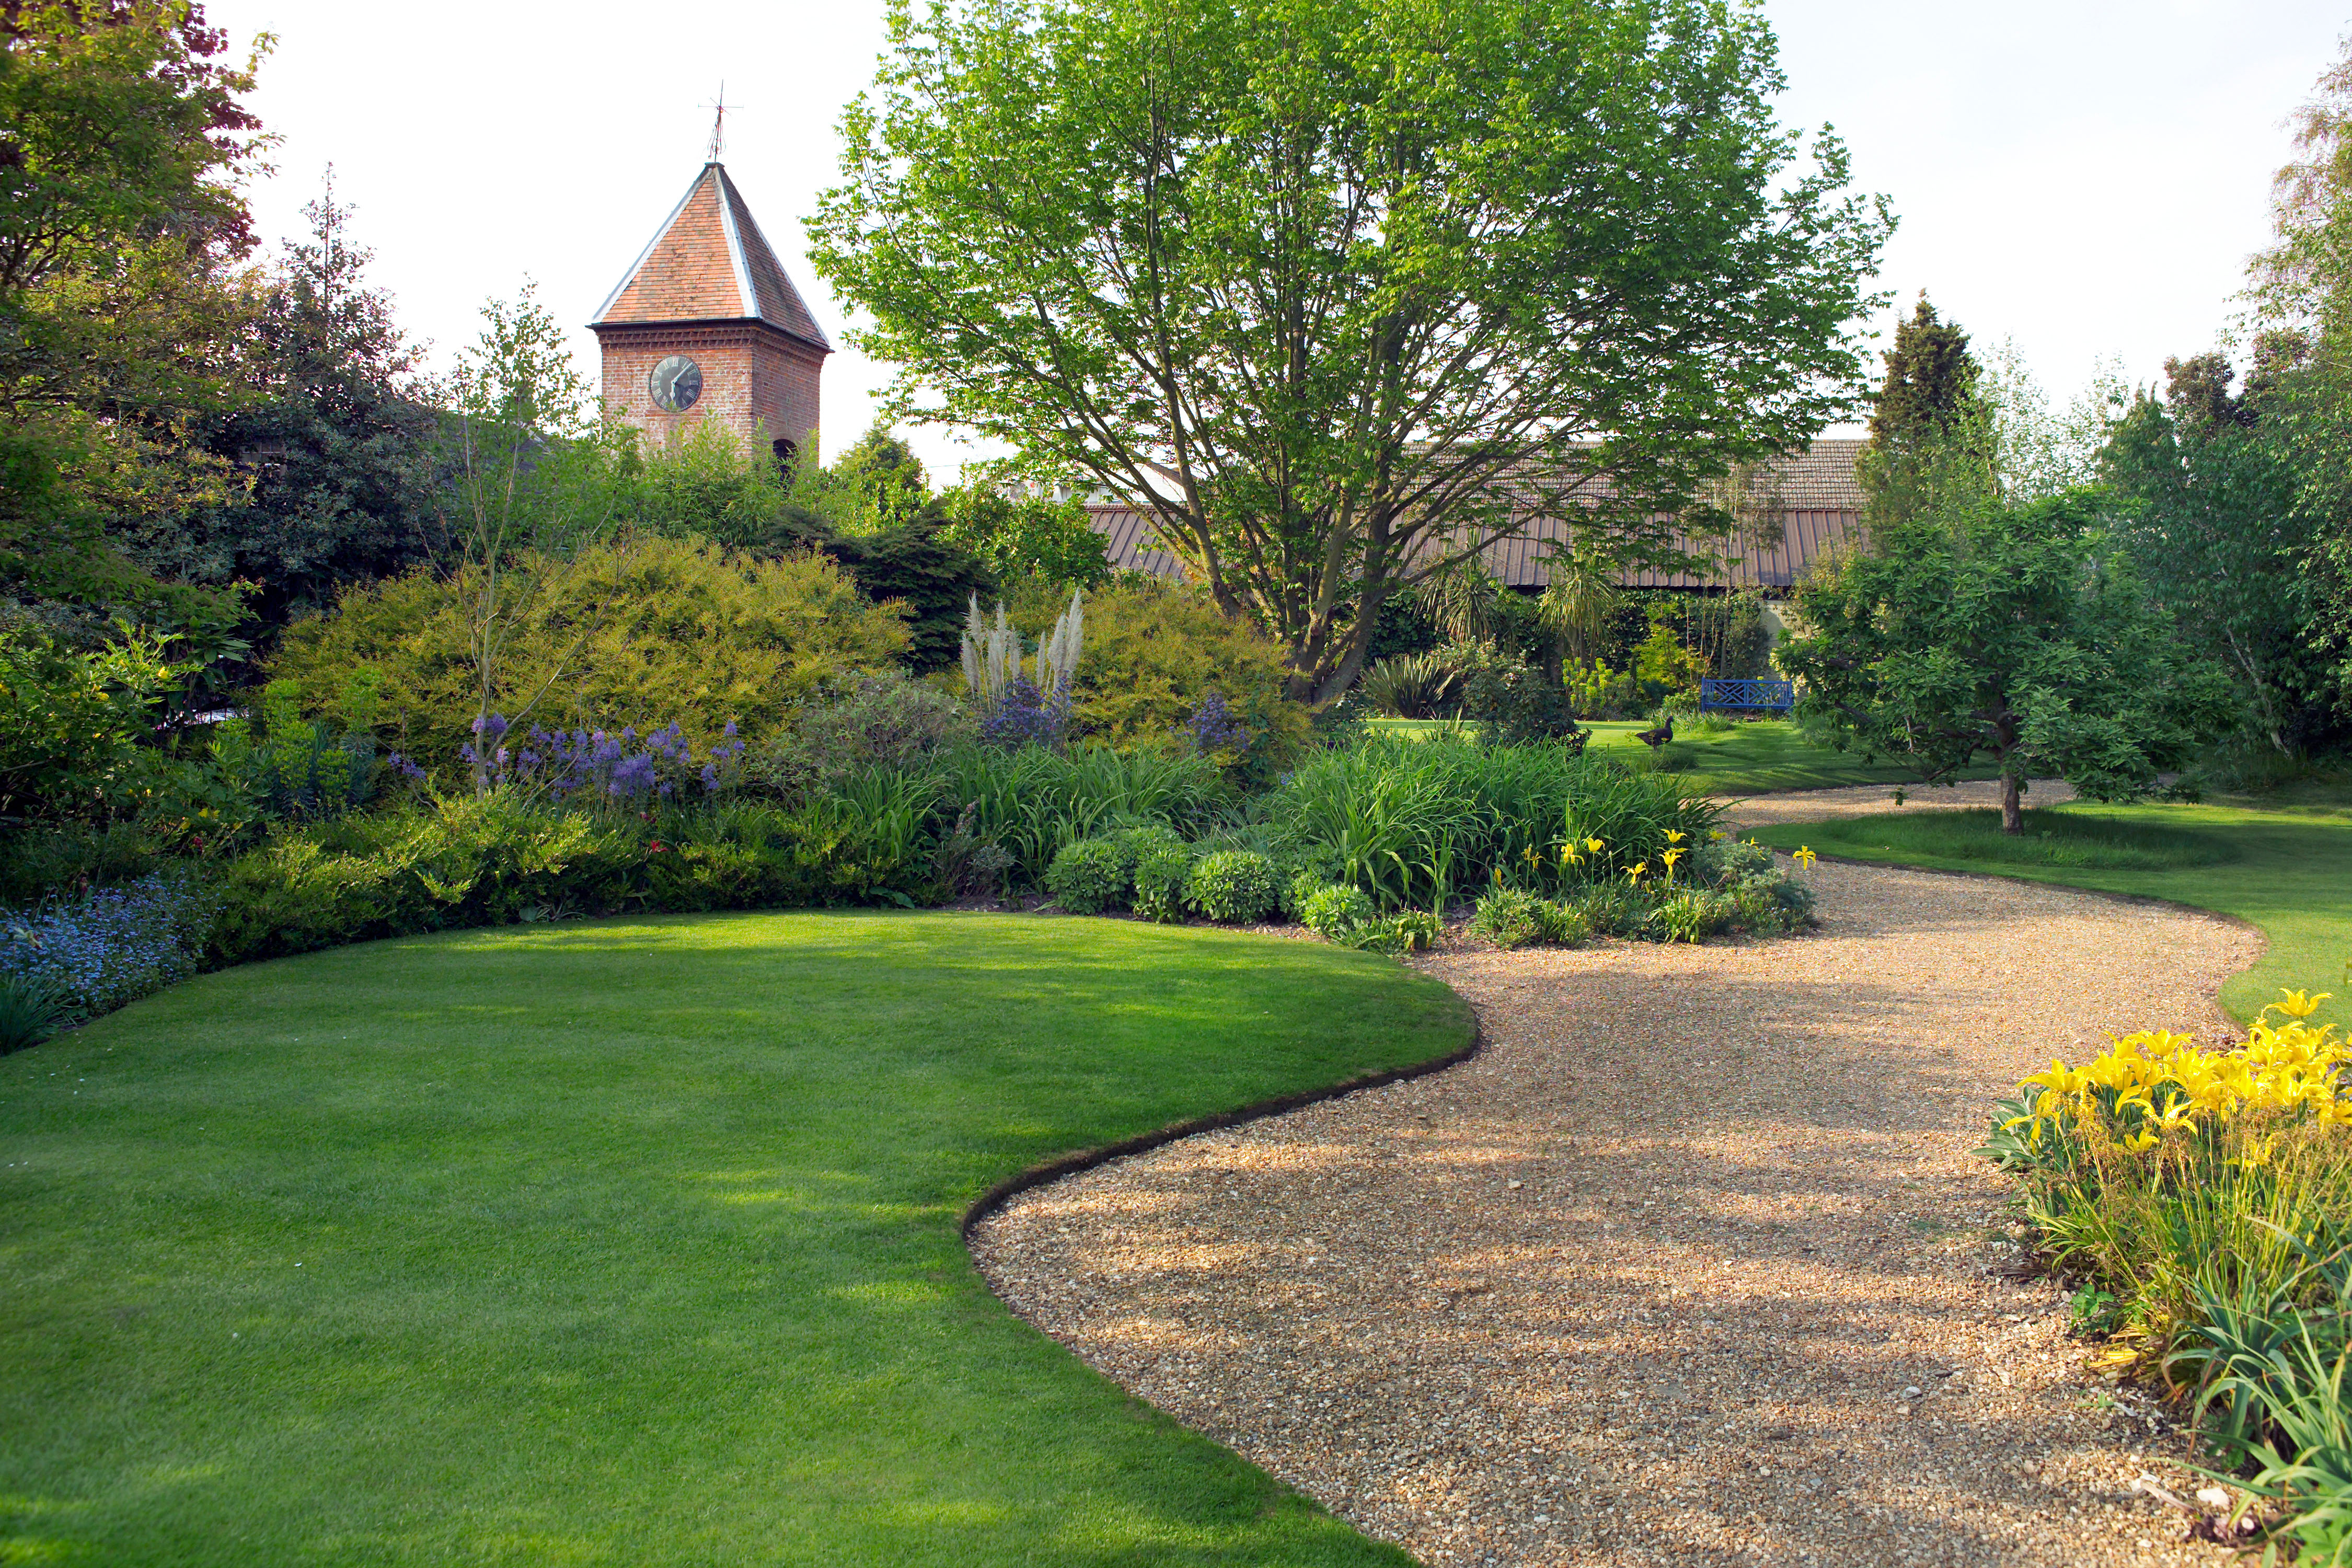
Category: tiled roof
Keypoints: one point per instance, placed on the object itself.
(1809, 504)
(709, 262)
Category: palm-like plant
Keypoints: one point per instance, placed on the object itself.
(1461, 601)
(1577, 605)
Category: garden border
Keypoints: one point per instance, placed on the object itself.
(1072, 1163)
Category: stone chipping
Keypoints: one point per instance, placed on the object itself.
(1691, 1265)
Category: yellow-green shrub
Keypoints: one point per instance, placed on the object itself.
(1154, 649)
(644, 631)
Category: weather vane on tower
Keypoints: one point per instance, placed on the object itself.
(718, 126)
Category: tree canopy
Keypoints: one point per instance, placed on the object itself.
(1341, 290)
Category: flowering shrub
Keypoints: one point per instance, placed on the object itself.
(1025, 716)
(96, 951)
(1213, 731)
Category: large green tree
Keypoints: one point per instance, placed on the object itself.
(333, 439)
(2020, 633)
(1341, 289)
(123, 300)
(2216, 526)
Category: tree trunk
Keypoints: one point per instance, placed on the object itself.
(2012, 811)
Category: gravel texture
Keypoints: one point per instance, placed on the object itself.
(1691, 1265)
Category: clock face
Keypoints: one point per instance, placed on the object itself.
(676, 382)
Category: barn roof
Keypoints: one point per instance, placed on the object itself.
(1809, 505)
(708, 261)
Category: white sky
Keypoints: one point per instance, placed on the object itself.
(2086, 176)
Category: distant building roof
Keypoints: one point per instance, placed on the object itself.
(1814, 498)
(709, 262)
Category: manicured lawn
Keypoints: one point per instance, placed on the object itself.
(2281, 862)
(1753, 758)
(628, 1242)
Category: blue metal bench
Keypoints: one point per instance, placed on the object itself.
(1770, 696)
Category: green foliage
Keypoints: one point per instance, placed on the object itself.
(1236, 887)
(1512, 917)
(1153, 650)
(30, 1011)
(1335, 910)
(1327, 442)
(1414, 824)
(2218, 531)
(1596, 692)
(1032, 537)
(76, 728)
(1513, 704)
(1032, 801)
(640, 632)
(930, 577)
(1691, 915)
(2022, 633)
(1090, 876)
(332, 434)
(875, 488)
(1161, 876)
(122, 224)
(852, 724)
(706, 483)
(1931, 382)
(1411, 684)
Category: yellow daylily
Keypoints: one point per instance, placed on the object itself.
(2295, 1005)
(1634, 872)
(1594, 845)
(1670, 857)
(1675, 836)
(1567, 855)
(1804, 857)
(1716, 835)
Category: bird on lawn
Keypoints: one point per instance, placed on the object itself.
(1658, 737)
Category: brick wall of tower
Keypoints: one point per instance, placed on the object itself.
(753, 378)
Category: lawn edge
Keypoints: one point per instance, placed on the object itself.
(990, 1202)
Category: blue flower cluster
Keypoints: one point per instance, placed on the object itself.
(1213, 728)
(107, 946)
(597, 765)
(1025, 716)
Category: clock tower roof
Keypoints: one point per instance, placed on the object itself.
(709, 262)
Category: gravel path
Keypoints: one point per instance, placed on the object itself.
(1690, 1265)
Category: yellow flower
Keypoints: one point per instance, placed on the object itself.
(1804, 857)
(1593, 844)
(2141, 1143)
(2295, 1005)
(1670, 857)
(1634, 871)
(1715, 834)
(1567, 855)
(1675, 836)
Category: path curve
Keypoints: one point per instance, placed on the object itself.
(1691, 1265)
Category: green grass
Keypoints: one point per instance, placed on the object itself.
(2282, 861)
(628, 1242)
(1752, 757)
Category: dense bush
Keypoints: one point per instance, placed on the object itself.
(1334, 910)
(1090, 876)
(1513, 917)
(1153, 650)
(1159, 878)
(881, 719)
(644, 630)
(1238, 886)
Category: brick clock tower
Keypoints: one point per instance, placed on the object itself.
(707, 326)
